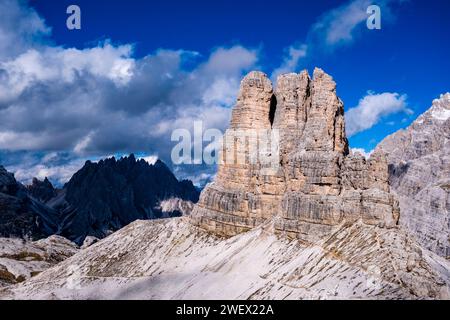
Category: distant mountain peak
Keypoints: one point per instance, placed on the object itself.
(441, 107)
(21, 214)
(111, 193)
(419, 166)
(42, 190)
(101, 197)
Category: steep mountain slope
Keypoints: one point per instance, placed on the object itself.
(171, 259)
(105, 196)
(419, 159)
(99, 199)
(20, 214)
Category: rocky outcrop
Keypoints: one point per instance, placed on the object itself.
(419, 166)
(175, 207)
(314, 185)
(106, 196)
(42, 190)
(98, 200)
(89, 241)
(22, 215)
(20, 259)
(335, 206)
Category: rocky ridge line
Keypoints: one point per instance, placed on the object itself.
(419, 167)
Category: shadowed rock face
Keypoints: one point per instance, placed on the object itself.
(22, 215)
(317, 185)
(106, 196)
(42, 190)
(419, 161)
(99, 199)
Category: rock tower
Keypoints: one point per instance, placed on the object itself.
(317, 183)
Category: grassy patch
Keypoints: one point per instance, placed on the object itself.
(7, 276)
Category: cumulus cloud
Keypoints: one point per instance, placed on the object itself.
(58, 167)
(291, 60)
(55, 64)
(58, 174)
(372, 108)
(337, 27)
(21, 28)
(102, 100)
(97, 110)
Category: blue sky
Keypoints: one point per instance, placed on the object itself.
(161, 64)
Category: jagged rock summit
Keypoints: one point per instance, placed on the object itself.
(100, 198)
(42, 190)
(316, 185)
(419, 163)
(21, 215)
(103, 197)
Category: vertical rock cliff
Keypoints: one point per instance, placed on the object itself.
(419, 162)
(312, 184)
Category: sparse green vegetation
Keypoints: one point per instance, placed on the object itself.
(24, 256)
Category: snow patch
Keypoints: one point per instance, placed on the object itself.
(441, 107)
(441, 114)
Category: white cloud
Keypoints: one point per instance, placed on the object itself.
(228, 61)
(336, 27)
(372, 108)
(81, 146)
(102, 100)
(222, 91)
(199, 179)
(64, 65)
(291, 60)
(51, 111)
(222, 73)
(363, 152)
(149, 159)
(58, 174)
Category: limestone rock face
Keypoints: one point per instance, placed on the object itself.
(419, 163)
(304, 175)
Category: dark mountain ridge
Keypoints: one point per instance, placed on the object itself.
(99, 199)
(21, 215)
(42, 190)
